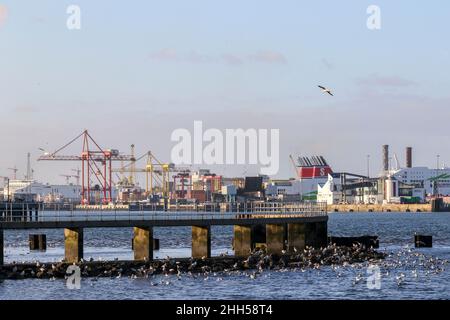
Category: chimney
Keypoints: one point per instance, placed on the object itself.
(386, 157)
(408, 157)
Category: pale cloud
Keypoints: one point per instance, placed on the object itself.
(38, 20)
(3, 14)
(170, 54)
(327, 64)
(25, 109)
(232, 59)
(384, 81)
(197, 57)
(165, 54)
(268, 57)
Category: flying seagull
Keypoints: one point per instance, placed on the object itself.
(325, 90)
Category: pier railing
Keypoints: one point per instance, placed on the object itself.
(241, 211)
(202, 207)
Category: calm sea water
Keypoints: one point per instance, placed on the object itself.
(407, 273)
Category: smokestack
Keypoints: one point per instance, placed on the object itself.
(408, 157)
(386, 157)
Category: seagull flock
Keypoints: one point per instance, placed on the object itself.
(397, 269)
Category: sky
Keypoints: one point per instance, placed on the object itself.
(136, 71)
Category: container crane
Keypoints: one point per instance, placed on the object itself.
(96, 165)
(68, 176)
(155, 171)
(14, 170)
(77, 175)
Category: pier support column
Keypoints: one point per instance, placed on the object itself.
(321, 234)
(274, 238)
(310, 235)
(242, 240)
(201, 241)
(73, 240)
(296, 236)
(1, 248)
(143, 243)
(316, 234)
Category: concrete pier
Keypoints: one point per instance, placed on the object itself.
(73, 242)
(242, 240)
(201, 241)
(295, 226)
(296, 236)
(274, 238)
(143, 243)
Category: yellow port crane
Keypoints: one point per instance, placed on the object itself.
(156, 172)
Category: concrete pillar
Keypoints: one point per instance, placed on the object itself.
(143, 243)
(274, 238)
(296, 236)
(258, 234)
(201, 241)
(242, 241)
(322, 234)
(73, 240)
(310, 235)
(316, 234)
(1, 248)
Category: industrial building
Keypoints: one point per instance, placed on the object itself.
(347, 188)
(412, 181)
(394, 184)
(31, 190)
(167, 183)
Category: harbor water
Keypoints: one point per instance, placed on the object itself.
(407, 273)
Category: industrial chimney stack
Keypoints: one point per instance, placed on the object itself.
(408, 157)
(386, 158)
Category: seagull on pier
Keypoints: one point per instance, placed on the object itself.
(325, 90)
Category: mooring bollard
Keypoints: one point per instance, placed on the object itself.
(422, 241)
(38, 242)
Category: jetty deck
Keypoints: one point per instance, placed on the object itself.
(286, 227)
